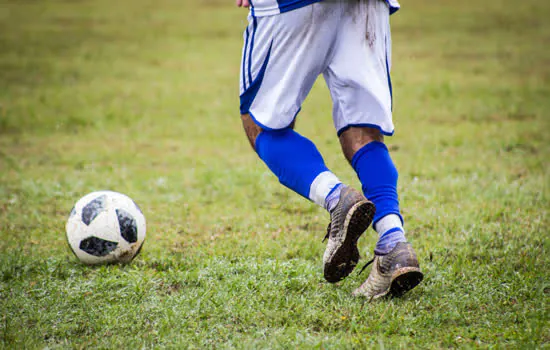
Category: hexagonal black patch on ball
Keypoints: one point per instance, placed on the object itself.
(97, 246)
(127, 224)
(92, 209)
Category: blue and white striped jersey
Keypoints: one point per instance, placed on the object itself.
(260, 8)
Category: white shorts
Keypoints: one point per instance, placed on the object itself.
(349, 42)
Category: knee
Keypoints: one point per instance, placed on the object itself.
(251, 129)
(355, 138)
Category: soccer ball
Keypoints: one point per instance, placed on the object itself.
(105, 227)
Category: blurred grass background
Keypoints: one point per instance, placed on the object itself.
(141, 97)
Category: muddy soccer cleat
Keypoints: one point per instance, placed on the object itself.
(392, 274)
(350, 218)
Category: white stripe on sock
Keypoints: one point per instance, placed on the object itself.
(387, 223)
(321, 186)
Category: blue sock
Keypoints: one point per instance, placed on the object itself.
(297, 163)
(378, 175)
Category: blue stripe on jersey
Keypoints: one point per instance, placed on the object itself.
(285, 5)
(255, 24)
(394, 6)
(262, 8)
(244, 58)
(251, 7)
(249, 95)
(389, 83)
(389, 76)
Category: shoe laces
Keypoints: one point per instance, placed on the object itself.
(328, 233)
(367, 264)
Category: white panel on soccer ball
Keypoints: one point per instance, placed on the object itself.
(105, 227)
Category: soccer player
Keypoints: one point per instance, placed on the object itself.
(287, 44)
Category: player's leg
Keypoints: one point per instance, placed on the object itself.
(299, 166)
(365, 150)
(358, 78)
(396, 268)
(296, 162)
(277, 73)
(289, 51)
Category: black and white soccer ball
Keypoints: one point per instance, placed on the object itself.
(105, 227)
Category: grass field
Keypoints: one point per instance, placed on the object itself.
(141, 97)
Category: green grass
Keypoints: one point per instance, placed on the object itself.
(141, 97)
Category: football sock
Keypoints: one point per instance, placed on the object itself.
(390, 232)
(297, 163)
(378, 175)
(333, 197)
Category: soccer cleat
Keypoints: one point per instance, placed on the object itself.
(392, 274)
(350, 218)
